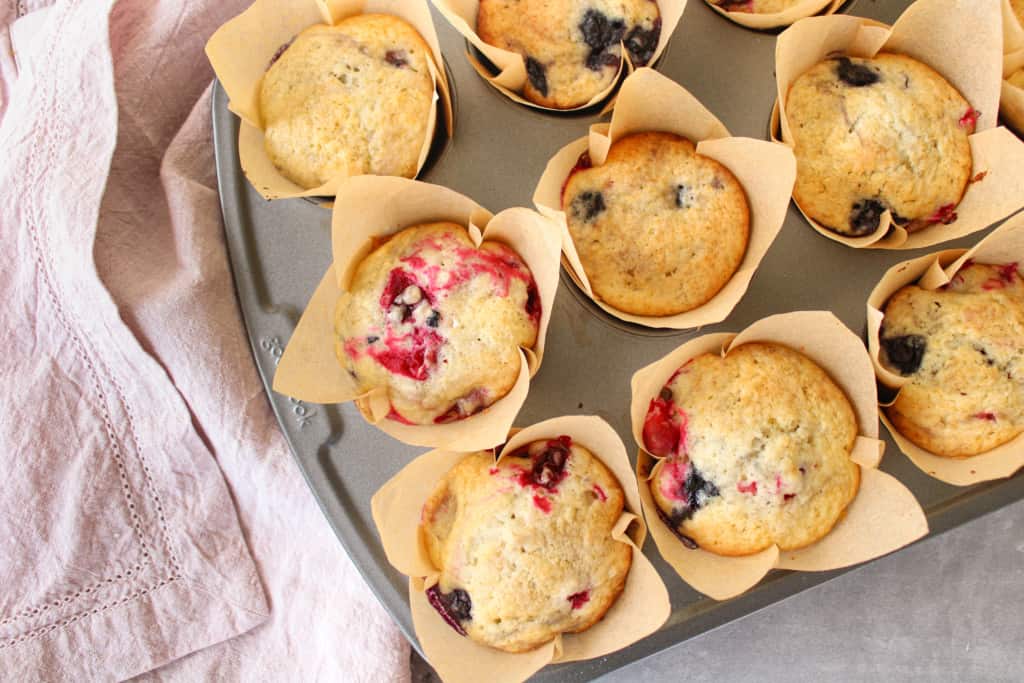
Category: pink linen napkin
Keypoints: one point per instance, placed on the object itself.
(150, 512)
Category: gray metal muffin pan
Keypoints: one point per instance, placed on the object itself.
(279, 251)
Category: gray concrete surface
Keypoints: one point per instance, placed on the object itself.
(948, 609)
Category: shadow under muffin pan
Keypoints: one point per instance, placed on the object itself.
(280, 250)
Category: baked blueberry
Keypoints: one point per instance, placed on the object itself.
(587, 205)
(904, 352)
(865, 215)
(856, 75)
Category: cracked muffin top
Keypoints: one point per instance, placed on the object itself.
(756, 449)
(349, 99)
(524, 545)
(962, 349)
(572, 48)
(870, 135)
(658, 228)
(437, 322)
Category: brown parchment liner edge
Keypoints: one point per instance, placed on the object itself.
(372, 207)
(1011, 101)
(1013, 32)
(649, 101)
(768, 20)
(242, 48)
(511, 76)
(1004, 245)
(966, 48)
(883, 517)
(640, 610)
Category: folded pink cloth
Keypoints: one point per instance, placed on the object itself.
(150, 513)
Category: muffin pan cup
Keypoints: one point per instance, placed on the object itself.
(366, 209)
(961, 41)
(765, 21)
(641, 608)
(508, 75)
(883, 517)
(1004, 245)
(242, 49)
(649, 101)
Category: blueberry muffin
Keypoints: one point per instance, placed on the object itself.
(658, 228)
(757, 451)
(961, 348)
(437, 322)
(348, 99)
(572, 48)
(876, 134)
(524, 547)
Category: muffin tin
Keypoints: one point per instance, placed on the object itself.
(279, 251)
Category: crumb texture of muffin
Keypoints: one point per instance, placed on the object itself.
(348, 99)
(756, 449)
(572, 48)
(437, 322)
(658, 228)
(524, 547)
(870, 135)
(962, 349)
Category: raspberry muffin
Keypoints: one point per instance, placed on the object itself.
(962, 349)
(658, 228)
(572, 48)
(437, 322)
(348, 99)
(877, 134)
(757, 451)
(524, 546)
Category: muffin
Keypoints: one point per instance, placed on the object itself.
(757, 451)
(870, 135)
(348, 99)
(961, 348)
(572, 48)
(437, 322)
(524, 546)
(659, 229)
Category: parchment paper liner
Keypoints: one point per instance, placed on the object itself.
(369, 207)
(640, 610)
(1011, 101)
(241, 51)
(511, 66)
(763, 21)
(1013, 32)
(883, 517)
(965, 46)
(1004, 245)
(649, 101)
